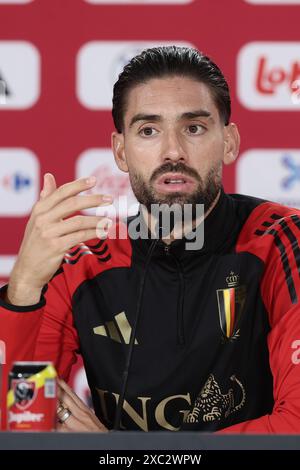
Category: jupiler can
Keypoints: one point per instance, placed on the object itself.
(32, 397)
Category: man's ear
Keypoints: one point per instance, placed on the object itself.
(231, 143)
(117, 144)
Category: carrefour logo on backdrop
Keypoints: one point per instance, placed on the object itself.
(138, 2)
(110, 180)
(99, 64)
(269, 75)
(278, 178)
(19, 181)
(19, 75)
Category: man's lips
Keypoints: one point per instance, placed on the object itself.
(174, 182)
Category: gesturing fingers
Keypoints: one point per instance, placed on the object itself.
(73, 224)
(50, 197)
(49, 185)
(78, 203)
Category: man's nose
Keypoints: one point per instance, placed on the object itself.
(172, 149)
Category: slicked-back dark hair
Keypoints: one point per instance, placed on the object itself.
(168, 61)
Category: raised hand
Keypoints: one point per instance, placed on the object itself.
(50, 233)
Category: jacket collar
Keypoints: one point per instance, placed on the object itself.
(218, 228)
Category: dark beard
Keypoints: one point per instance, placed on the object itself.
(205, 193)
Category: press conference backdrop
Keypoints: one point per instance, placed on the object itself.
(60, 58)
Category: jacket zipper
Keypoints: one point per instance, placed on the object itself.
(180, 305)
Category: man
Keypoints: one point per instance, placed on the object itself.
(215, 344)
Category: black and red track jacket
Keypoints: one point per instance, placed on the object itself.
(218, 340)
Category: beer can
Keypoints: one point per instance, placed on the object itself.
(32, 397)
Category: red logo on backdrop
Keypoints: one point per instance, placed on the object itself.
(110, 182)
(269, 78)
(24, 393)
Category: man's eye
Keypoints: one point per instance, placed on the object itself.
(196, 129)
(147, 131)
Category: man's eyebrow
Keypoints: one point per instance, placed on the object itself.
(196, 114)
(144, 117)
(157, 117)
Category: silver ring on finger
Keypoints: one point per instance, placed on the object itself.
(63, 415)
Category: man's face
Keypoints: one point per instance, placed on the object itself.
(173, 143)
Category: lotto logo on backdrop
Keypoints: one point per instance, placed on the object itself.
(269, 75)
(270, 174)
(19, 75)
(138, 2)
(98, 66)
(19, 181)
(110, 180)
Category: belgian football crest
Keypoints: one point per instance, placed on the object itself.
(231, 302)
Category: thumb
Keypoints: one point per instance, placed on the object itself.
(49, 185)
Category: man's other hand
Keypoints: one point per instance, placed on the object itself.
(80, 418)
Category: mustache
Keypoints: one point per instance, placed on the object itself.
(175, 168)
